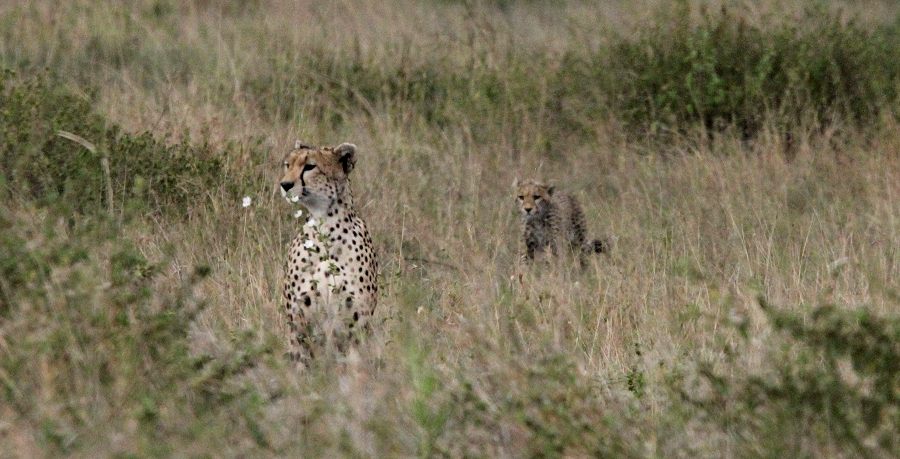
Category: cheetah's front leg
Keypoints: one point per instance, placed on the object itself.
(300, 336)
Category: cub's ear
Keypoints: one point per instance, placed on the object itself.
(346, 155)
(515, 182)
(550, 190)
(298, 144)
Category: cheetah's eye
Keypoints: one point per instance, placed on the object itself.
(308, 167)
(536, 197)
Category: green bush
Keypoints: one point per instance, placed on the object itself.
(97, 350)
(831, 379)
(36, 162)
(723, 72)
(553, 410)
(674, 75)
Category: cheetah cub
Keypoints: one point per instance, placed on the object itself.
(330, 285)
(553, 220)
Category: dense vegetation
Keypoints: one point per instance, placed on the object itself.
(40, 162)
(722, 72)
(747, 156)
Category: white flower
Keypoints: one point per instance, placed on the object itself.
(295, 198)
(311, 222)
(309, 244)
(298, 213)
(246, 201)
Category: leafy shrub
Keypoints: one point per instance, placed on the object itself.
(673, 75)
(39, 164)
(96, 350)
(723, 72)
(834, 381)
(546, 408)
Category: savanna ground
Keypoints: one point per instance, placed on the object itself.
(745, 154)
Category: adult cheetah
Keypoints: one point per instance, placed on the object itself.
(330, 285)
(553, 220)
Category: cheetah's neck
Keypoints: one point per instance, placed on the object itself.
(337, 208)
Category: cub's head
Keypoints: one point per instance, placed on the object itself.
(318, 175)
(533, 198)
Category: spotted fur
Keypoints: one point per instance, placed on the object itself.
(330, 284)
(553, 221)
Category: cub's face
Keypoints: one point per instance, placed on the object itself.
(317, 176)
(533, 198)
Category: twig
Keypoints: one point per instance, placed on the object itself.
(104, 163)
(431, 262)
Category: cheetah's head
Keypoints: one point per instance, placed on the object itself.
(318, 175)
(533, 198)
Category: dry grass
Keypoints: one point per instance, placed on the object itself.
(474, 349)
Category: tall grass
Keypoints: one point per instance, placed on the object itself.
(94, 343)
(156, 331)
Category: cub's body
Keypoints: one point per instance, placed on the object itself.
(553, 222)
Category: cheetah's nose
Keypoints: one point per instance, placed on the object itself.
(528, 210)
(287, 185)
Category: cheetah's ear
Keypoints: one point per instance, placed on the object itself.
(550, 190)
(346, 155)
(516, 183)
(298, 144)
